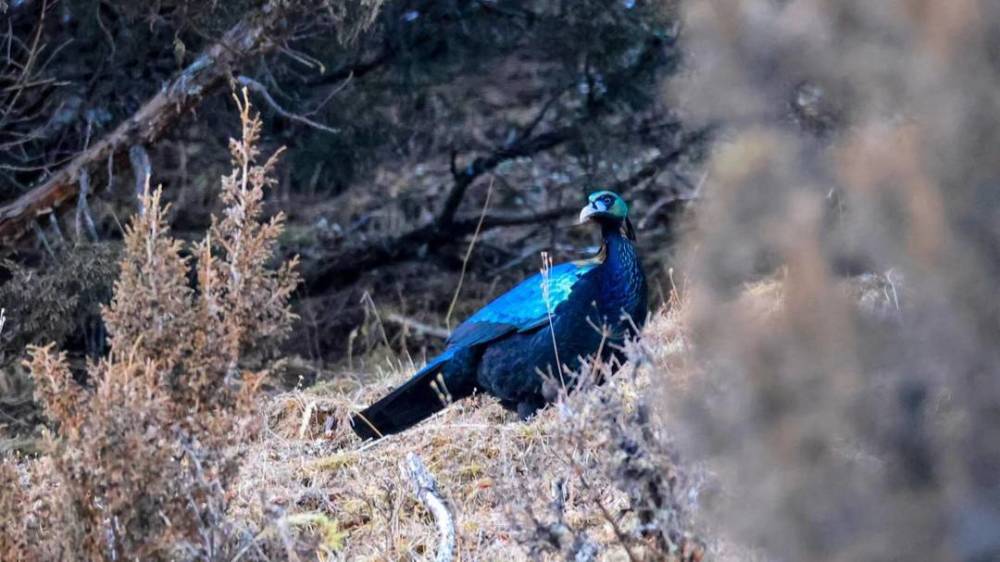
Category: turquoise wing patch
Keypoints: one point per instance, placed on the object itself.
(522, 308)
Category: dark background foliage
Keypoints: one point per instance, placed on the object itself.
(404, 114)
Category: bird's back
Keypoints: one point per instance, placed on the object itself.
(523, 308)
(606, 305)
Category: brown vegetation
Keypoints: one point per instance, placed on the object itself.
(819, 380)
(141, 466)
(595, 478)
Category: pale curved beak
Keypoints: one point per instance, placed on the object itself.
(591, 210)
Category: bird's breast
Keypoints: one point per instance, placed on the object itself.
(623, 292)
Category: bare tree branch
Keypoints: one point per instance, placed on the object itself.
(209, 70)
(83, 218)
(467, 176)
(260, 89)
(345, 266)
(420, 327)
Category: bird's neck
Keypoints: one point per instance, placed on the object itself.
(621, 263)
(623, 284)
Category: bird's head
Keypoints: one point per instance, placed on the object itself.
(608, 209)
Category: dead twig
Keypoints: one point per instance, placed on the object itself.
(262, 90)
(83, 217)
(141, 170)
(468, 254)
(54, 221)
(421, 327)
(426, 490)
(26, 71)
(40, 234)
(333, 92)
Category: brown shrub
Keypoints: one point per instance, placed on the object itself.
(617, 457)
(142, 465)
(14, 537)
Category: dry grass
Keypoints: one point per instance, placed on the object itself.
(497, 473)
(500, 475)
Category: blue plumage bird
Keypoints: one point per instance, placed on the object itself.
(572, 311)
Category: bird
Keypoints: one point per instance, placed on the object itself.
(546, 326)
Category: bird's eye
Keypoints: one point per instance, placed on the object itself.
(607, 200)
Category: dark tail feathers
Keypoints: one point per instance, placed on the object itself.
(411, 403)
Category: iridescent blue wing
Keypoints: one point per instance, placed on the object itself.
(522, 308)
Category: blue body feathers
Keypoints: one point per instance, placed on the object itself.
(523, 308)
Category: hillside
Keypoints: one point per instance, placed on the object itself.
(496, 473)
(225, 227)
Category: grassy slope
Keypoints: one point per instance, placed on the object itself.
(491, 467)
(497, 472)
